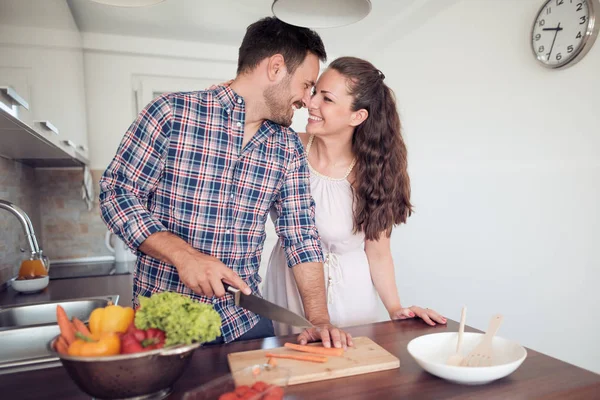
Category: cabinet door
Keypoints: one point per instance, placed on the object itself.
(58, 88)
(18, 79)
(52, 80)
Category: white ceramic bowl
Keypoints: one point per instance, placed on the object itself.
(30, 285)
(432, 351)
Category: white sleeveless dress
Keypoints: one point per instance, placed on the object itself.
(351, 295)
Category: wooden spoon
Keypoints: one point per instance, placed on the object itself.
(456, 358)
(481, 356)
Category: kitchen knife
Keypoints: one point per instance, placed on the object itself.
(267, 309)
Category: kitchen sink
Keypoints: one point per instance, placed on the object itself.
(25, 331)
(45, 313)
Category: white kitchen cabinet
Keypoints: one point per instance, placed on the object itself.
(15, 82)
(52, 81)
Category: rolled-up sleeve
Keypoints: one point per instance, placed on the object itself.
(295, 207)
(134, 173)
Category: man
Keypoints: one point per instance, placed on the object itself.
(196, 174)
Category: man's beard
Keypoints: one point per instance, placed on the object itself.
(279, 103)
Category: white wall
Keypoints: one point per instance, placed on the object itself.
(505, 170)
(117, 65)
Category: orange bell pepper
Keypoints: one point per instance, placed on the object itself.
(105, 344)
(114, 319)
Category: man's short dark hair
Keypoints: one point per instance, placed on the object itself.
(270, 36)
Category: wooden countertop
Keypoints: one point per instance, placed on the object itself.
(540, 376)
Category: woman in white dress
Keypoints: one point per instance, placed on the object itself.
(361, 188)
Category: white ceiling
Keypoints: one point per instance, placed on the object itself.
(225, 21)
(217, 21)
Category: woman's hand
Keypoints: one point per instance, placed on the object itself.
(428, 315)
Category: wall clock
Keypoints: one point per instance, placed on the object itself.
(564, 31)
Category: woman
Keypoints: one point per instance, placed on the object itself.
(361, 188)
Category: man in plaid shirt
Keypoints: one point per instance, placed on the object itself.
(194, 178)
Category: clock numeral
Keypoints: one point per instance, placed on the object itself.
(548, 10)
(558, 56)
(541, 49)
(578, 35)
(538, 37)
(579, 6)
(583, 20)
(570, 49)
(559, 2)
(542, 22)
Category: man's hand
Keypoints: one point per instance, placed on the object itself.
(202, 273)
(205, 275)
(326, 333)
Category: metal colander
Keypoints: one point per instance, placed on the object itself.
(146, 375)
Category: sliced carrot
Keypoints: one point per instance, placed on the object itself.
(323, 351)
(272, 362)
(67, 330)
(80, 327)
(299, 357)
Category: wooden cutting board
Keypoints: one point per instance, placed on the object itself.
(366, 356)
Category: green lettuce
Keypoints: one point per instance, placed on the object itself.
(183, 320)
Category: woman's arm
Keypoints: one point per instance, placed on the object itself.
(381, 266)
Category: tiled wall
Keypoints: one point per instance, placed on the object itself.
(52, 199)
(70, 230)
(17, 185)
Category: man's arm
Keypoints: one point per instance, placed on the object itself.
(131, 177)
(311, 285)
(295, 226)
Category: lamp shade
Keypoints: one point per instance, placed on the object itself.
(129, 3)
(321, 13)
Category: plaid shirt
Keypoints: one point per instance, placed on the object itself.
(181, 168)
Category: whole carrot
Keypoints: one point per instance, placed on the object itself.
(61, 345)
(67, 330)
(61, 339)
(316, 350)
(299, 357)
(80, 327)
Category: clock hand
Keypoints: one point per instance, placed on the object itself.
(554, 40)
(553, 29)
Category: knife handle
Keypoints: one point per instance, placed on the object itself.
(230, 289)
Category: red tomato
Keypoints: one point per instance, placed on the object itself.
(241, 390)
(275, 391)
(260, 386)
(228, 396)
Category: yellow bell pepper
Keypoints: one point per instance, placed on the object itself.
(113, 319)
(105, 344)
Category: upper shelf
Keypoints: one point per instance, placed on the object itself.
(20, 142)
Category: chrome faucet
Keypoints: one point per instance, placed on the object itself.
(36, 252)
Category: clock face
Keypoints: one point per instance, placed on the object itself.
(562, 29)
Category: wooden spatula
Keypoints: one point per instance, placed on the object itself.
(456, 358)
(481, 356)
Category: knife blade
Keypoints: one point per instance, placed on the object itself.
(266, 309)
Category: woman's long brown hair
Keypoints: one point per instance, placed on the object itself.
(381, 185)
